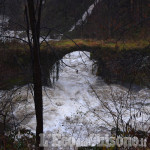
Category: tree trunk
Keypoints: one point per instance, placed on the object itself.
(37, 76)
(37, 95)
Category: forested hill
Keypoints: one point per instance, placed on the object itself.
(118, 19)
(56, 13)
(109, 19)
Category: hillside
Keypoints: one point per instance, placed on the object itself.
(61, 14)
(117, 19)
(110, 19)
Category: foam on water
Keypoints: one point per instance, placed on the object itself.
(80, 96)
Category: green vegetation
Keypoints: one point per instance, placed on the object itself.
(110, 44)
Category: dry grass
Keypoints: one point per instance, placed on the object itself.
(129, 45)
(120, 45)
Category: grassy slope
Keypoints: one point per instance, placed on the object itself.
(128, 45)
(111, 44)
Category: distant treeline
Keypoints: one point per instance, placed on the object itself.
(118, 18)
(61, 14)
(110, 18)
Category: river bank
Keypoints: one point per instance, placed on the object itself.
(116, 61)
(82, 104)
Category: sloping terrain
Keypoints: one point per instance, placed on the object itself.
(109, 18)
(128, 19)
(61, 14)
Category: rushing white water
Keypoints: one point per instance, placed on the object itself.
(4, 20)
(20, 36)
(85, 15)
(9, 35)
(82, 103)
(77, 92)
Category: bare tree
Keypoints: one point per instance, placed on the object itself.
(33, 17)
